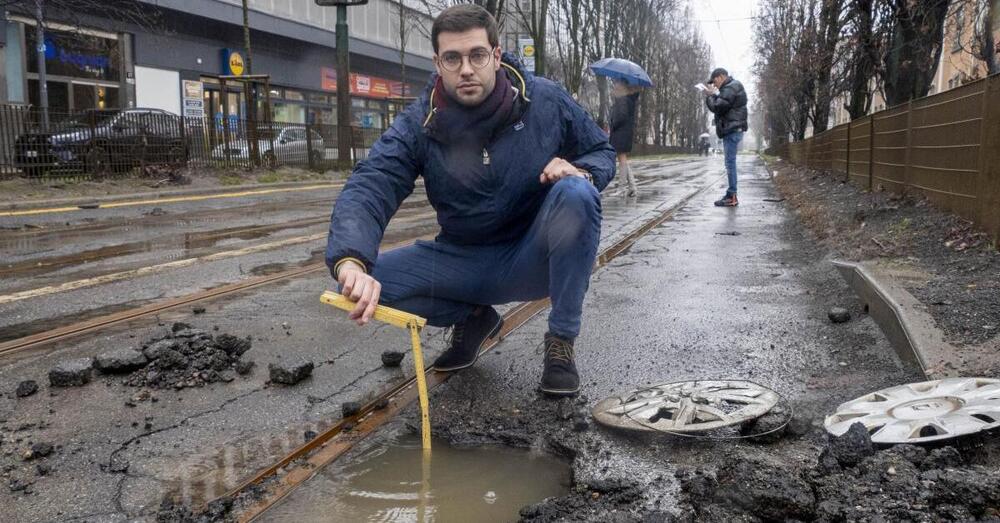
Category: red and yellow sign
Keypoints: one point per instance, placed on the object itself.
(363, 85)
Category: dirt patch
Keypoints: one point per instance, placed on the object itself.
(849, 482)
(963, 291)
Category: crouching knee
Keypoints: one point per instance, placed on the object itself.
(577, 192)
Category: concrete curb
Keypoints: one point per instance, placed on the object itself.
(910, 328)
(79, 200)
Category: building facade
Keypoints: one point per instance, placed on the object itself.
(175, 63)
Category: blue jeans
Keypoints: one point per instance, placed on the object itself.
(731, 143)
(444, 282)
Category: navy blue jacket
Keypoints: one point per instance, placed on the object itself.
(477, 201)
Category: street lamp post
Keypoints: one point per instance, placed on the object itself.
(343, 80)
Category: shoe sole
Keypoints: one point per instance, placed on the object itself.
(490, 336)
(560, 392)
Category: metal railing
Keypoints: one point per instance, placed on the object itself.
(117, 143)
(945, 147)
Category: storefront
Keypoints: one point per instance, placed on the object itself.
(84, 68)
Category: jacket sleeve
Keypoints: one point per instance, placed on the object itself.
(585, 145)
(719, 103)
(373, 193)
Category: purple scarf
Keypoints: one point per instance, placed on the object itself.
(456, 124)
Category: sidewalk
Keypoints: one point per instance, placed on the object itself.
(715, 293)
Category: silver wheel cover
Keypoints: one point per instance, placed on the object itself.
(687, 406)
(922, 412)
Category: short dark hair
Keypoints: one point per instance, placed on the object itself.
(461, 18)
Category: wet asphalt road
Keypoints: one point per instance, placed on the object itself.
(688, 301)
(202, 441)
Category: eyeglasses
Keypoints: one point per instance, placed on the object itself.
(478, 58)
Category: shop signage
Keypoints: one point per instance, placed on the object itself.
(232, 63)
(526, 49)
(194, 99)
(363, 85)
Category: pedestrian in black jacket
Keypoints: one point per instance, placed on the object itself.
(728, 100)
(623, 128)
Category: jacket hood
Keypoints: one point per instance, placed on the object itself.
(522, 80)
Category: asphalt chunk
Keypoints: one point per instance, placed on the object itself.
(839, 315)
(72, 373)
(290, 373)
(26, 388)
(120, 361)
(391, 358)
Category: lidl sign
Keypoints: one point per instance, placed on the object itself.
(232, 63)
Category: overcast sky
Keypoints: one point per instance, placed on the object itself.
(728, 28)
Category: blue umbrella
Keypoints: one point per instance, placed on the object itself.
(622, 69)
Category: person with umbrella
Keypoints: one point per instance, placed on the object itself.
(628, 79)
(622, 127)
(703, 144)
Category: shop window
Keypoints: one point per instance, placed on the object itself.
(319, 98)
(77, 55)
(289, 113)
(84, 97)
(58, 96)
(107, 97)
(293, 95)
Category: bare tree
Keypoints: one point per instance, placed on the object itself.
(409, 20)
(975, 24)
(497, 8)
(535, 20)
(913, 41)
(862, 61)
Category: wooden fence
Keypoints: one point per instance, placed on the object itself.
(945, 147)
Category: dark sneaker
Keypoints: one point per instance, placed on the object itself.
(729, 200)
(559, 377)
(467, 339)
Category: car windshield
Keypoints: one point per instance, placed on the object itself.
(88, 118)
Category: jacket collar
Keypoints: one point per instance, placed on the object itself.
(519, 78)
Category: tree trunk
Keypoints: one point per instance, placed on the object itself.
(246, 37)
(540, 35)
(988, 43)
(914, 47)
(863, 63)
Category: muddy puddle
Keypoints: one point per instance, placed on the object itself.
(393, 482)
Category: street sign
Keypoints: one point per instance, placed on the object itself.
(194, 98)
(526, 50)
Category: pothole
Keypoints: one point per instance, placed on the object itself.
(393, 481)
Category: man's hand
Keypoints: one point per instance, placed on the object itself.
(557, 169)
(361, 288)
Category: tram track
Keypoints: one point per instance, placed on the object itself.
(307, 460)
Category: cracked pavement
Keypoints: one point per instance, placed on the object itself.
(203, 441)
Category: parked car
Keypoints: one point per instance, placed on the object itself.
(104, 140)
(290, 147)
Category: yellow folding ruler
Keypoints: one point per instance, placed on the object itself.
(403, 320)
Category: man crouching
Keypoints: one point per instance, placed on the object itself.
(513, 168)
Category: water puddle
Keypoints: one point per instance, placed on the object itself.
(393, 482)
